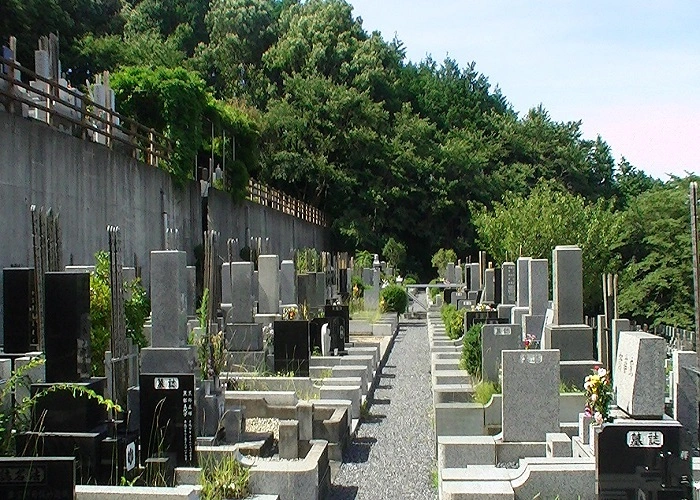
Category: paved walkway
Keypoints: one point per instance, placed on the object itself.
(393, 454)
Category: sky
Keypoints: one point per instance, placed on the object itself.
(629, 70)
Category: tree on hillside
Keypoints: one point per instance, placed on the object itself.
(532, 226)
(656, 278)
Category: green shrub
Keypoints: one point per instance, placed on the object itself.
(441, 258)
(471, 351)
(224, 479)
(358, 287)
(484, 390)
(136, 310)
(410, 280)
(453, 320)
(363, 260)
(393, 298)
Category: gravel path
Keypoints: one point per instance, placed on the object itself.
(393, 455)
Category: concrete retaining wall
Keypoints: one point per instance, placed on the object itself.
(92, 186)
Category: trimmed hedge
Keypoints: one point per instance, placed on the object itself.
(453, 320)
(393, 298)
(471, 351)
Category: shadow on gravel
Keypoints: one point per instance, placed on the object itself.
(389, 366)
(381, 401)
(388, 386)
(387, 375)
(373, 418)
(358, 451)
(338, 492)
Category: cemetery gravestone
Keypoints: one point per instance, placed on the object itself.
(242, 294)
(33, 477)
(169, 298)
(67, 326)
(342, 312)
(292, 347)
(167, 417)
(567, 279)
(489, 286)
(19, 307)
(494, 340)
(450, 276)
(508, 283)
(565, 330)
(268, 284)
(530, 403)
(474, 277)
(642, 459)
(497, 291)
(288, 292)
(640, 376)
(538, 293)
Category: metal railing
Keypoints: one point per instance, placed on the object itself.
(278, 200)
(61, 105)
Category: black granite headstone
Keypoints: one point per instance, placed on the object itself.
(343, 281)
(642, 459)
(18, 309)
(447, 295)
(41, 478)
(83, 446)
(337, 333)
(315, 326)
(485, 317)
(119, 458)
(292, 347)
(342, 312)
(497, 286)
(62, 411)
(167, 417)
(67, 326)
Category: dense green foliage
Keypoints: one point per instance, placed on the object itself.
(656, 282)
(441, 258)
(393, 298)
(453, 321)
(136, 308)
(423, 155)
(395, 253)
(471, 351)
(548, 217)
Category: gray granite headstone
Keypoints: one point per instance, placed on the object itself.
(459, 277)
(242, 293)
(288, 290)
(538, 290)
(685, 394)
(367, 274)
(523, 282)
(494, 339)
(530, 403)
(639, 375)
(450, 273)
(508, 283)
(474, 278)
(567, 285)
(489, 286)
(168, 298)
(268, 284)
